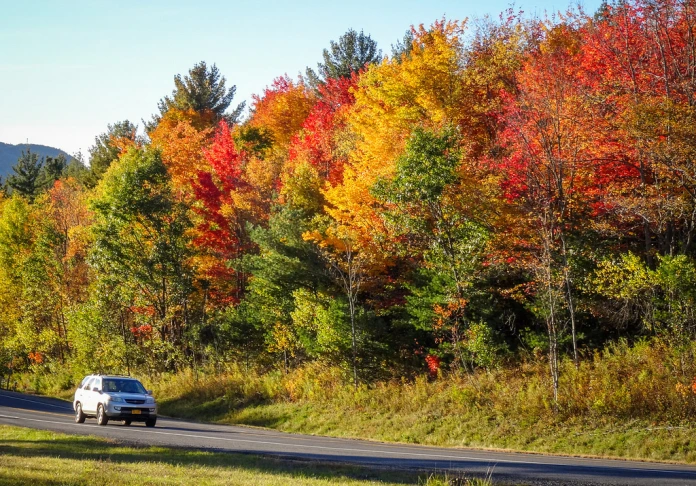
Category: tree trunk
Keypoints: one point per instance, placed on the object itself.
(355, 344)
(569, 296)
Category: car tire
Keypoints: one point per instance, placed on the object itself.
(126, 422)
(102, 419)
(150, 422)
(79, 414)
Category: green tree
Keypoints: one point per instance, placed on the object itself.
(15, 241)
(141, 250)
(202, 90)
(430, 213)
(108, 146)
(36, 278)
(26, 178)
(52, 170)
(285, 263)
(76, 169)
(350, 54)
(403, 46)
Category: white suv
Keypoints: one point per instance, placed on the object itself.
(114, 398)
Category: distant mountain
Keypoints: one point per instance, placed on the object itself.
(9, 154)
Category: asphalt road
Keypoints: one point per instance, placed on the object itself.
(56, 415)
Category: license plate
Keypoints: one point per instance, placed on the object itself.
(135, 412)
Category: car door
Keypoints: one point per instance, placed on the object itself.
(80, 389)
(91, 396)
(81, 394)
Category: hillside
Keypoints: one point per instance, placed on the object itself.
(10, 153)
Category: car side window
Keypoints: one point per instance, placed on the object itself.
(96, 384)
(88, 384)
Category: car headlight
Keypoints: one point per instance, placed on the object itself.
(115, 399)
(150, 400)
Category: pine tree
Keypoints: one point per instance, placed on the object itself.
(202, 90)
(350, 54)
(26, 177)
(107, 147)
(52, 170)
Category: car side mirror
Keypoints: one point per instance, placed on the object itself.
(149, 392)
(96, 390)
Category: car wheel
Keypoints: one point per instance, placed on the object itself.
(126, 422)
(150, 422)
(79, 415)
(102, 419)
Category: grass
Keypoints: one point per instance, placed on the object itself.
(436, 424)
(633, 402)
(36, 458)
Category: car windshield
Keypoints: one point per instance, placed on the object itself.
(116, 385)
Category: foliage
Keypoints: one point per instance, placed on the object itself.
(663, 298)
(491, 194)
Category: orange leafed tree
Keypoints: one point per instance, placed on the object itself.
(423, 89)
(281, 110)
(182, 136)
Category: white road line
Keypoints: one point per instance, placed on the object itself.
(64, 407)
(9, 417)
(415, 454)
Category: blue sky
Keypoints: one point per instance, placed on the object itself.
(69, 68)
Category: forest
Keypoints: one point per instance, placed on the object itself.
(489, 193)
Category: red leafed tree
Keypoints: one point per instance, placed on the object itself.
(641, 57)
(548, 172)
(320, 138)
(219, 229)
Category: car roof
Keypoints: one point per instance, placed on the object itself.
(121, 377)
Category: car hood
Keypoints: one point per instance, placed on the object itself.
(130, 396)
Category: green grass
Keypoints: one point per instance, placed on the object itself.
(468, 428)
(33, 457)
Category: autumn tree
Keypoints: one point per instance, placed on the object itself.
(324, 140)
(181, 137)
(277, 117)
(221, 216)
(281, 109)
(390, 100)
(46, 273)
(549, 172)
